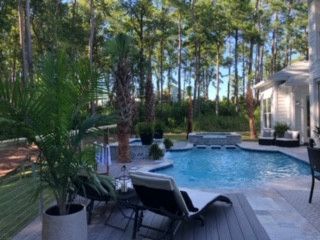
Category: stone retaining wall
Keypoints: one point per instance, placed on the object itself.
(214, 138)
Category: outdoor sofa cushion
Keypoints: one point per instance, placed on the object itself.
(290, 139)
(267, 132)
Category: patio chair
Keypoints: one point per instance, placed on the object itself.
(290, 139)
(87, 190)
(159, 194)
(267, 137)
(314, 160)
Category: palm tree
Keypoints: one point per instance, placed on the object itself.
(121, 50)
(52, 115)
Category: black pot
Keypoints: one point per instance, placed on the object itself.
(146, 139)
(158, 135)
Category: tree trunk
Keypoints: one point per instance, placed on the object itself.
(196, 75)
(250, 62)
(91, 45)
(149, 92)
(28, 39)
(92, 31)
(179, 57)
(218, 79)
(236, 86)
(249, 96)
(161, 71)
(125, 105)
(250, 110)
(229, 83)
(169, 80)
(190, 111)
(243, 70)
(22, 35)
(123, 139)
(141, 58)
(274, 49)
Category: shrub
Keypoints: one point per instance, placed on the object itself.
(158, 130)
(155, 152)
(280, 129)
(167, 143)
(144, 128)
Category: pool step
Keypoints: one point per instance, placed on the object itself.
(230, 146)
(201, 146)
(215, 146)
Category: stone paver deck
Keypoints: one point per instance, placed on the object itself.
(296, 152)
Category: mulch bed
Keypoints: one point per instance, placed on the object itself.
(12, 157)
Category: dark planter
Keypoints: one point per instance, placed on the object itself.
(158, 135)
(146, 139)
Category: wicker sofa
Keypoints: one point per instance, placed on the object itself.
(290, 139)
(267, 137)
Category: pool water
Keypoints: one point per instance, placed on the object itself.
(231, 168)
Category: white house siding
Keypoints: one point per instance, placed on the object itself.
(314, 54)
(283, 105)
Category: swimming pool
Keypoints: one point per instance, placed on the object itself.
(224, 168)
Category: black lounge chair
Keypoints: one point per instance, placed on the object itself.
(314, 160)
(267, 137)
(159, 194)
(85, 188)
(290, 139)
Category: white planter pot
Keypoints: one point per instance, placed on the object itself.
(72, 226)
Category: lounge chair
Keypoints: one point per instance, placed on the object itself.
(267, 137)
(159, 194)
(87, 189)
(290, 139)
(314, 160)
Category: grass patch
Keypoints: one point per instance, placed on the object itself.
(19, 203)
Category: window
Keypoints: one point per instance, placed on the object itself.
(267, 116)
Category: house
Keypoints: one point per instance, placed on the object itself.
(284, 98)
(314, 59)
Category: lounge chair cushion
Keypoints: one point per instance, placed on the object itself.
(160, 181)
(200, 199)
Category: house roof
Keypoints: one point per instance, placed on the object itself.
(296, 74)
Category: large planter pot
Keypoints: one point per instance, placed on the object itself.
(146, 139)
(72, 226)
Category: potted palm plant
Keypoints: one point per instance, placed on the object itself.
(51, 113)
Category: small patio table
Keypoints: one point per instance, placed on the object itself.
(125, 200)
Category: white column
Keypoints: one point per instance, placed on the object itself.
(314, 56)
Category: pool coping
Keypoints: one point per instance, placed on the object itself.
(283, 151)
